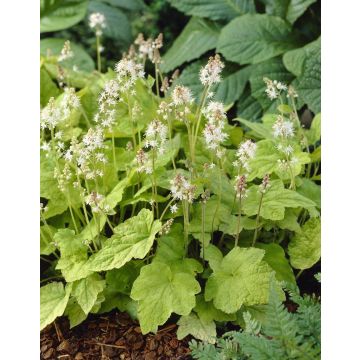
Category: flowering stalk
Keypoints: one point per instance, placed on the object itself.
(240, 192)
(97, 22)
(262, 188)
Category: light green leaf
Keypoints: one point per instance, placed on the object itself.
(276, 259)
(86, 291)
(204, 330)
(311, 190)
(242, 279)
(73, 260)
(161, 291)
(117, 23)
(208, 312)
(81, 59)
(46, 244)
(53, 300)
(255, 38)
(75, 313)
(260, 130)
(48, 88)
(132, 239)
(275, 200)
(305, 247)
(198, 36)
(59, 14)
(214, 9)
(214, 256)
(314, 133)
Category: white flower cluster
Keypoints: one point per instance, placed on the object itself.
(210, 73)
(128, 71)
(240, 187)
(181, 95)
(182, 189)
(143, 162)
(96, 202)
(265, 184)
(244, 154)
(149, 48)
(274, 88)
(214, 128)
(283, 128)
(97, 21)
(155, 136)
(53, 114)
(66, 52)
(108, 99)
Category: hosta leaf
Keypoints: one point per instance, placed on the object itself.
(81, 58)
(86, 291)
(204, 330)
(255, 38)
(242, 278)
(275, 200)
(248, 107)
(53, 300)
(287, 9)
(198, 36)
(73, 260)
(294, 59)
(117, 23)
(59, 14)
(276, 259)
(132, 239)
(214, 9)
(161, 291)
(305, 247)
(308, 85)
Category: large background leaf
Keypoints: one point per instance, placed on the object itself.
(61, 14)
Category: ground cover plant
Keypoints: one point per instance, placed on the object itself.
(155, 203)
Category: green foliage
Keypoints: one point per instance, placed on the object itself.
(282, 335)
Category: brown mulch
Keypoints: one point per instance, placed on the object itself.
(110, 336)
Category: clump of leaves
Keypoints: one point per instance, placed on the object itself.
(154, 204)
(280, 335)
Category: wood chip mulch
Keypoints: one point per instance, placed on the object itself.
(111, 336)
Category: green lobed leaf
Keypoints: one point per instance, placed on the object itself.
(75, 313)
(46, 245)
(132, 239)
(275, 200)
(160, 291)
(73, 260)
(61, 14)
(215, 9)
(199, 328)
(198, 36)
(305, 247)
(276, 259)
(53, 300)
(313, 135)
(253, 38)
(48, 88)
(208, 312)
(241, 279)
(133, 5)
(87, 290)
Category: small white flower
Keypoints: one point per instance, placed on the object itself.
(174, 208)
(97, 21)
(66, 52)
(181, 95)
(282, 128)
(181, 189)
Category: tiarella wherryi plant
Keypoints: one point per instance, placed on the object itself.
(153, 204)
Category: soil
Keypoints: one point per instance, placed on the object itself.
(110, 336)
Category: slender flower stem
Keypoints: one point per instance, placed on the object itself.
(186, 226)
(203, 230)
(257, 219)
(166, 208)
(98, 53)
(113, 149)
(238, 225)
(155, 185)
(171, 143)
(157, 79)
(219, 197)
